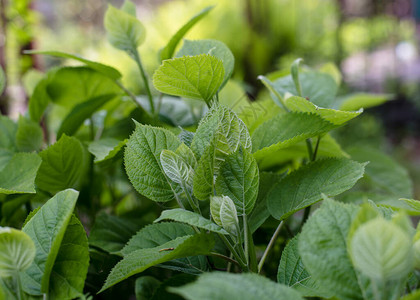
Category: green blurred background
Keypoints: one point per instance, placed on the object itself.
(374, 43)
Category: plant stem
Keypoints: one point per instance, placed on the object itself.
(269, 246)
(233, 251)
(309, 147)
(227, 258)
(316, 148)
(132, 96)
(193, 204)
(136, 57)
(246, 242)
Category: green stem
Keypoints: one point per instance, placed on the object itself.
(316, 148)
(192, 203)
(246, 242)
(294, 70)
(269, 246)
(227, 258)
(136, 57)
(132, 96)
(309, 147)
(234, 253)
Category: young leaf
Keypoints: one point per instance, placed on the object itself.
(81, 112)
(222, 286)
(18, 176)
(322, 246)
(111, 233)
(18, 251)
(336, 117)
(142, 259)
(319, 87)
(168, 51)
(305, 186)
(203, 181)
(292, 272)
(214, 48)
(124, 31)
(142, 162)
(239, 179)
(229, 216)
(71, 264)
(176, 168)
(196, 77)
(382, 250)
(158, 234)
(190, 218)
(29, 135)
(47, 228)
(62, 165)
(101, 68)
(296, 127)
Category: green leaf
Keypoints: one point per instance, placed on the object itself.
(190, 218)
(111, 233)
(18, 251)
(8, 130)
(62, 165)
(106, 149)
(168, 51)
(142, 259)
(142, 162)
(18, 176)
(101, 68)
(323, 248)
(296, 127)
(47, 229)
(214, 48)
(306, 186)
(176, 168)
(203, 181)
(239, 179)
(224, 286)
(158, 234)
(39, 100)
(222, 128)
(145, 287)
(196, 77)
(81, 112)
(2, 81)
(29, 135)
(336, 117)
(382, 250)
(229, 216)
(320, 88)
(383, 174)
(71, 264)
(292, 272)
(363, 100)
(124, 31)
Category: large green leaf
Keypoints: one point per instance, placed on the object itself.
(292, 272)
(18, 251)
(101, 68)
(383, 174)
(214, 48)
(320, 88)
(81, 112)
(62, 165)
(227, 286)
(142, 161)
(323, 248)
(158, 234)
(29, 135)
(285, 130)
(239, 179)
(168, 51)
(190, 218)
(71, 264)
(142, 259)
(195, 77)
(124, 31)
(111, 233)
(18, 176)
(336, 117)
(47, 229)
(8, 130)
(305, 186)
(362, 100)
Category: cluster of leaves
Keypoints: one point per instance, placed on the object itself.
(219, 175)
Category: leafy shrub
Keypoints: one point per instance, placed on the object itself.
(220, 174)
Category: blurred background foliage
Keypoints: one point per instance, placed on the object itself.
(374, 43)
